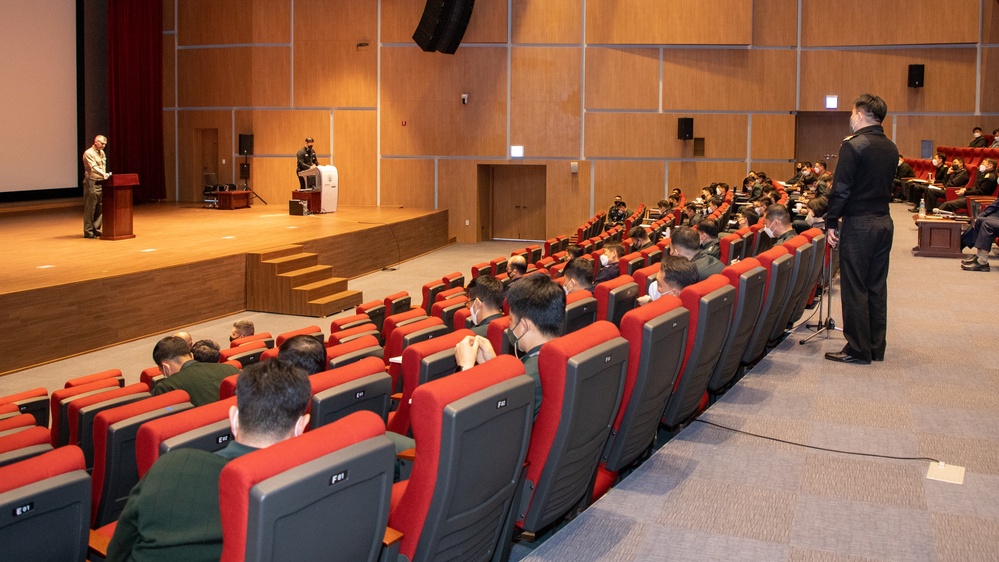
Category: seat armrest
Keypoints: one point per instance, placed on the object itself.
(407, 455)
(99, 540)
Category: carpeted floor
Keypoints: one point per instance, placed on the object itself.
(711, 494)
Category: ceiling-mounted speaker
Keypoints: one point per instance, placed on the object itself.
(443, 25)
(916, 76)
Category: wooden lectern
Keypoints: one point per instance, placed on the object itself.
(116, 197)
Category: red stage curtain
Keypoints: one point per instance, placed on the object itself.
(135, 93)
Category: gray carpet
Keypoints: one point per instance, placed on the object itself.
(710, 494)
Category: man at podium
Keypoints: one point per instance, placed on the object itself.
(95, 165)
(306, 160)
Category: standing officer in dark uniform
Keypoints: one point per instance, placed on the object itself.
(861, 191)
(307, 159)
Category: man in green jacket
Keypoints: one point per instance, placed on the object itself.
(173, 512)
(201, 381)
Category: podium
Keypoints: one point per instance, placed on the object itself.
(116, 198)
(327, 183)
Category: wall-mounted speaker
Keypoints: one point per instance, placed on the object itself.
(245, 145)
(916, 76)
(443, 25)
(685, 128)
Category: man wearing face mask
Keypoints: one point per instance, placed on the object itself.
(609, 269)
(860, 195)
(816, 207)
(820, 168)
(708, 230)
(977, 140)
(674, 274)
(686, 243)
(957, 176)
(985, 185)
(902, 173)
(578, 276)
(485, 302)
(537, 312)
(639, 238)
(918, 190)
(995, 139)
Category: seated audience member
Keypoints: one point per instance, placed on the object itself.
(241, 329)
(609, 268)
(675, 192)
(823, 184)
(957, 176)
(819, 168)
(918, 190)
(639, 238)
(980, 236)
(578, 276)
(749, 188)
(673, 203)
(664, 209)
(690, 216)
(574, 251)
(186, 336)
(516, 268)
(985, 184)
(686, 243)
(173, 512)
(798, 176)
(747, 217)
(706, 194)
(305, 353)
(617, 199)
(995, 139)
(762, 204)
(537, 312)
(674, 274)
(977, 140)
(201, 381)
(777, 227)
(815, 208)
(206, 351)
(485, 302)
(618, 214)
(721, 190)
(903, 172)
(708, 230)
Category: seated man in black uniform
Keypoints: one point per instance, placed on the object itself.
(985, 184)
(609, 268)
(537, 312)
(201, 381)
(686, 243)
(639, 238)
(708, 230)
(980, 236)
(957, 176)
(578, 276)
(173, 512)
(977, 140)
(916, 191)
(485, 302)
(902, 173)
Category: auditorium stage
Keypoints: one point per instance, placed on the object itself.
(62, 294)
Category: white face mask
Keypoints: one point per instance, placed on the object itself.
(654, 290)
(936, 162)
(981, 168)
(854, 122)
(977, 135)
(604, 260)
(768, 231)
(472, 314)
(720, 191)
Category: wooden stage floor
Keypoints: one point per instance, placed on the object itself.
(62, 294)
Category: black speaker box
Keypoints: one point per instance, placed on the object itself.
(443, 25)
(244, 171)
(685, 128)
(245, 145)
(916, 76)
(299, 207)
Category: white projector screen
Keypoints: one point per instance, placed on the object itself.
(38, 95)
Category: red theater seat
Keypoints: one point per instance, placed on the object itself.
(397, 302)
(375, 311)
(430, 291)
(205, 427)
(362, 385)
(354, 350)
(351, 334)
(777, 263)
(227, 388)
(615, 298)
(109, 374)
(454, 280)
(82, 412)
(24, 444)
(404, 336)
(749, 280)
(262, 337)
(804, 253)
(401, 319)
(314, 331)
(348, 322)
(60, 400)
(247, 354)
(34, 402)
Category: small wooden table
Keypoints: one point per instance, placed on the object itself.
(314, 199)
(938, 238)
(230, 200)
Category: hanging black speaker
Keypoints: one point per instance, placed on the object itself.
(916, 76)
(245, 145)
(685, 128)
(443, 25)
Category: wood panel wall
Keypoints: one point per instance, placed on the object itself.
(605, 93)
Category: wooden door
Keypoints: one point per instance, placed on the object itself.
(518, 202)
(819, 135)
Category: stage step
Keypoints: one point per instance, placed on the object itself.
(286, 280)
(334, 303)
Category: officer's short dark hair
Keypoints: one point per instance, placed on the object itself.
(709, 227)
(169, 348)
(616, 248)
(579, 269)
(685, 238)
(941, 156)
(976, 130)
(487, 289)
(304, 352)
(873, 106)
(821, 163)
(751, 216)
(206, 351)
(778, 213)
(638, 232)
(677, 271)
(309, 139)
(541, 300)
(271, 396)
